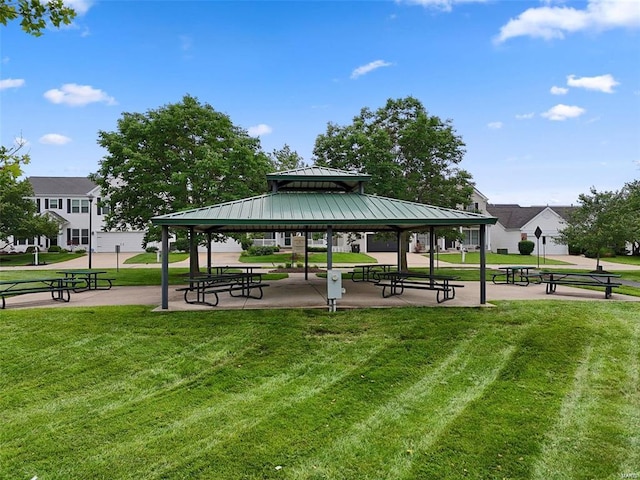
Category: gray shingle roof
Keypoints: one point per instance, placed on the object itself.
(515, 216)
(68, 186)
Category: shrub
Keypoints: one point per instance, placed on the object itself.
(181, 245)
(30, 249)
(81, 250)
(317, 249)
(245, 241)
(261, 251)
(151, 249)
(55, 249)
(525, 247)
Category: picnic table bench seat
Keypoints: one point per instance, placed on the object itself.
(60, 288)
(397, 282)
(597, 280)
(246, 283)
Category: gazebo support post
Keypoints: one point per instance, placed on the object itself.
(330, 301)
(209, 253)
(483, 265)
(165, 267)
(399, 249)
(306, 254)
(432, 246)
(194, 264)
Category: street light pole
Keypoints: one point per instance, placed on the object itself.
(90, 197)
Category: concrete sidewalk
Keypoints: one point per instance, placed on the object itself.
(296, 292)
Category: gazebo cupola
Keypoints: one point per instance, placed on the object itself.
(317, 179)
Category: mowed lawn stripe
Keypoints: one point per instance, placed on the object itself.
(413, 419)
(226, 417)
(406, 393)
(590, 427)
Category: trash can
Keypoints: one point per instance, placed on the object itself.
(355, 248)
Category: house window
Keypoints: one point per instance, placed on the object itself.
(53, 203)
(79, 206)
(79, 236)
(471, 237)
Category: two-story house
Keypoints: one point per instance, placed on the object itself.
(75, 203)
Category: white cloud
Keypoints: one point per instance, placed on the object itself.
(259, 130)
(76, 95)
(444, 5)
(559, 90)
(369, 67)
(495, 125)
(554, 22)
(602, 83)
(562, 112)
(525, 116)
(11, 83)
(54, 139)
(80, 6)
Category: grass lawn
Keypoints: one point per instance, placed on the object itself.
(498, 259)
(526, 390)
(22, 259)
(625, 259)
(153, 258)
(125, 277)
(314, 258)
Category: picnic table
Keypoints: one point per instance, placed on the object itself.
(370, 271)
(89, 279)
(236, 284)
(397, 282)
(220, 270)
(515, 275)
(59, 287)
(574, 279)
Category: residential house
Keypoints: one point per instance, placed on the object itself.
(76, 204)
(516, 223)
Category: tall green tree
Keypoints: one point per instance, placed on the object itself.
(286, 159)
(19, 217)
(179, 156)
(410, 154)
(631, 211)
(34, 14)
(596, 224)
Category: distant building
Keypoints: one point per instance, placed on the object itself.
(70, 201)
(516, 223)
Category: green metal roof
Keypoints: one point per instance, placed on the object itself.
(286, 211)
(317, 179)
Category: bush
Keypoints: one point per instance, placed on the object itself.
(317, 249)
(261, 251)
(81, 250)
(525, 247)
(181, 245)
(55, 249)
(151, 249)
(245, 241)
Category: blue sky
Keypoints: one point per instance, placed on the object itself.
(545, 94)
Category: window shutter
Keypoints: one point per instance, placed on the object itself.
(68, 205)
(98, 205)
(60, 203)
(68, 236)
(46, 204)
(38, 203)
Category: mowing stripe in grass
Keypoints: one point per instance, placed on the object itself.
(567, 435)
(587, 436)
(414, 418)
(226, 417)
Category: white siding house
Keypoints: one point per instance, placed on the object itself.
(516, 223)
(75, 203)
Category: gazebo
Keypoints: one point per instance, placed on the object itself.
(318, 199)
